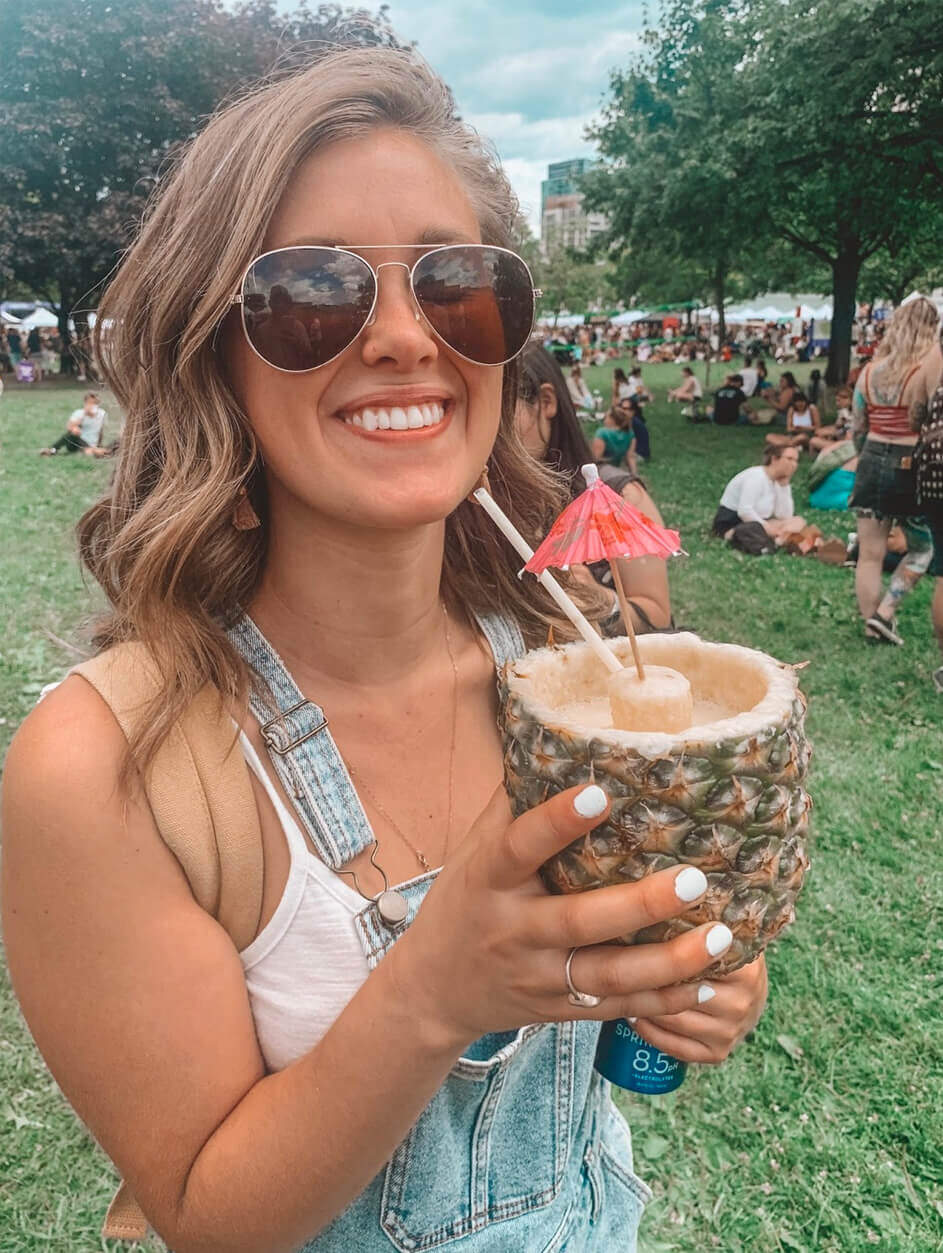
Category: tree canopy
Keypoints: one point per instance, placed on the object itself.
(95, 97)
(746, 125)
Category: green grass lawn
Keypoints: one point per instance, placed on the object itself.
(823, 1132)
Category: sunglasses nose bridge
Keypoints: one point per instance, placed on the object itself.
(386, 265)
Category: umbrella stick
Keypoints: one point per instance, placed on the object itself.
(626, 614)
(505, 525)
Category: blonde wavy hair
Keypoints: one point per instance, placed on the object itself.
(911, 333)
(161, 541)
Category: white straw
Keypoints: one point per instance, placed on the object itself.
(585, 628)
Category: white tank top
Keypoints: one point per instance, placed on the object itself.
(308, 962)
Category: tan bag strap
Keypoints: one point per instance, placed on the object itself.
(200, 795)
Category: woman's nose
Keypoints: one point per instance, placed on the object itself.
(397, 332)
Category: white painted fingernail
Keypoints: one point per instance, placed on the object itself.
(719, 939)
(635, 1019)
(690, 884)
(591, 802)
(705, 993)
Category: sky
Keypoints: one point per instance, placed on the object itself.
(528, 74)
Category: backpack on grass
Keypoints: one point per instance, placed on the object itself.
(201, 797)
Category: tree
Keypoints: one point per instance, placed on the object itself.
(683, 212)
(911, 262)
(860, 191)
(95, 98)
(748, 121)
(568, 280)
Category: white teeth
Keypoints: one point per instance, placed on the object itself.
(398, 419)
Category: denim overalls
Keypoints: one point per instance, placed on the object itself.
(521, 1150)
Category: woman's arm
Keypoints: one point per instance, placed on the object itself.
(859, 413)
(137, 1001)
(631, 458)
(790, 429)
(816, 419)
(598, 449)
(645, 579)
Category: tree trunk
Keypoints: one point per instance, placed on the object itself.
(845, 269)
(720, 288)
(63, 309)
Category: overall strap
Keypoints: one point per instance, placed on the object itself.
(503, 636)
(303, 752)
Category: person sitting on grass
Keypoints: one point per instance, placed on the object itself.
(782, 396)
(832, 475)
(612, 442)
(802, 424)
(84, 431)
(550, 430)
(840, 429)
(580, 394)
(761, 494)
(730, 403)
(636, 387)
(689, 389)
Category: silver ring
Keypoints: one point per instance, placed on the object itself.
(582, 1000)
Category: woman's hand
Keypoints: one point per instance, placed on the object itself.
(488, 947)
(710, 1033)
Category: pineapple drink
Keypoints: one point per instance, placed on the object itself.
(725, 793)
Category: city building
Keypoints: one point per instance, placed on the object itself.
(563, 221)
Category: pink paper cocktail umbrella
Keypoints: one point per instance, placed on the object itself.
(600, 525)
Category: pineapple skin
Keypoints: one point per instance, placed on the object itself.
(737, 809)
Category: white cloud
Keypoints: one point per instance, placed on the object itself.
(526, 148)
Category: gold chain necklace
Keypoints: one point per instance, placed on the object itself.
(390, 902)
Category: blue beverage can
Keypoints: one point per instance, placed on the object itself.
(628, 1061)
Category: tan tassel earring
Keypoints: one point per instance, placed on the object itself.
(244, 517)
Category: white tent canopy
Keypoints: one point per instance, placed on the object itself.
(629, 318)
(39, 317)
(565, 320)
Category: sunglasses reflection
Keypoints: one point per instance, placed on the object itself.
(299, 315)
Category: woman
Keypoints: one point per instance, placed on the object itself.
(689, 390)
(579, 393)
(786, 390)
(550, 431)
(613, 441)
(884, 480)
(802, 424)
(335, 1084)
(621, 387)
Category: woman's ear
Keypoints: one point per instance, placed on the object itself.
(548, 401)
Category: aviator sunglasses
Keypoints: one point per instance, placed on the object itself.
(302, 306)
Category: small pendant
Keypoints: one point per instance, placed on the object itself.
(393, 908)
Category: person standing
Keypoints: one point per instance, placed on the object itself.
(927, 418)
(885, 485)
(15, 344)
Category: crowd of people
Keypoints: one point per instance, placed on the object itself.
(869, 444)
(30, 354)
(864, 455)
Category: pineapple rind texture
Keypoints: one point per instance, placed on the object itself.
(734, 806)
